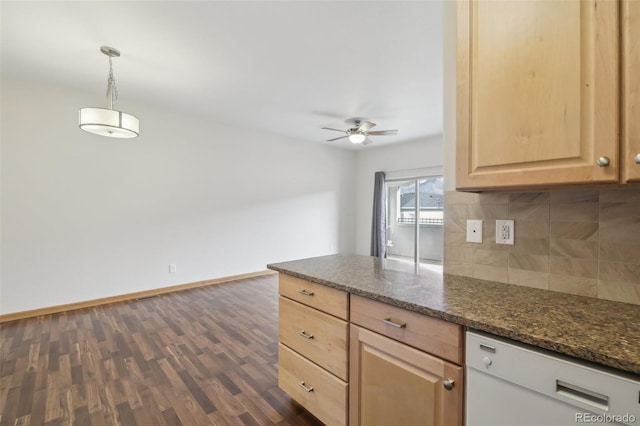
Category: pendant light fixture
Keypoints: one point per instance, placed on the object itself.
(107, 121)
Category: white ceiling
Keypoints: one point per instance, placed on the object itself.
(284, 67)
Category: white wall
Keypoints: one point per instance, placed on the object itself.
(411, 155)
(85, 217)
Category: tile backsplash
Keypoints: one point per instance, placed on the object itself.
(583, 242)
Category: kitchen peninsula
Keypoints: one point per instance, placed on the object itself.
(594, 330)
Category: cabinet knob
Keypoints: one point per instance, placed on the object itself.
(636, 159)
(603, 161)
(448, 384)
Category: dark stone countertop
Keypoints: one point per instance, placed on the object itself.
(595, 330)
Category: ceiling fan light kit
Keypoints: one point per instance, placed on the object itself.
(107, 121)
(357, 138)
(358, 134)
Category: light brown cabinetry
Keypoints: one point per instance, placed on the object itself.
(315, 335)
(392, 379)
(538, 92)
(321, 297)
(440, 338)
(631, 90)
(352, 360)
(319, 392)
(313, 348)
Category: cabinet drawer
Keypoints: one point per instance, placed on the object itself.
(325, 396)
(319, 337)
(438, 337)
(327, 299)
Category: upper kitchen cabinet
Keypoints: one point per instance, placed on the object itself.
(631, 90)
(538, 92)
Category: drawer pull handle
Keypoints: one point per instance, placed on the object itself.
(603, 161)
(448, 384)
(305, 387)
(306, 292)
(306, 335)
(487, 348)
(393, 323)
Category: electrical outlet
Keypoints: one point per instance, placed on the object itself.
(505, 230)
(172, 268)
(474, 231)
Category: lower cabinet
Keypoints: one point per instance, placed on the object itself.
(318, 391)
(353, 360)
(392, 383)
(313, 348)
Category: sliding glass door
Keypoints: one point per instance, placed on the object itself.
(414, 219)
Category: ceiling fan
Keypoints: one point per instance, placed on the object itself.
(359, 131)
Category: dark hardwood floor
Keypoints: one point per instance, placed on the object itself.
(206, 356)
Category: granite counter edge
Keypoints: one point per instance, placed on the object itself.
(555, 346)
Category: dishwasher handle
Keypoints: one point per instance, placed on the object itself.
(583, 395)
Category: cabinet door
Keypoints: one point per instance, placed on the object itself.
(631, 90)
(537, 92)
(394, 384)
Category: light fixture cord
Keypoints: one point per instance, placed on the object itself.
(112, 89)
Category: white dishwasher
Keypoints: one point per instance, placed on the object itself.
(512, 384)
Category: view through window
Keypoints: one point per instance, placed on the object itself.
(421, 240)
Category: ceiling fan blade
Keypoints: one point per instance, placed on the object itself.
(383, 132)
(337, 130)
(335, 139)
(365, 126)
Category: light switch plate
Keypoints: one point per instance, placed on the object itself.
(474, 231)
(505, 230)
